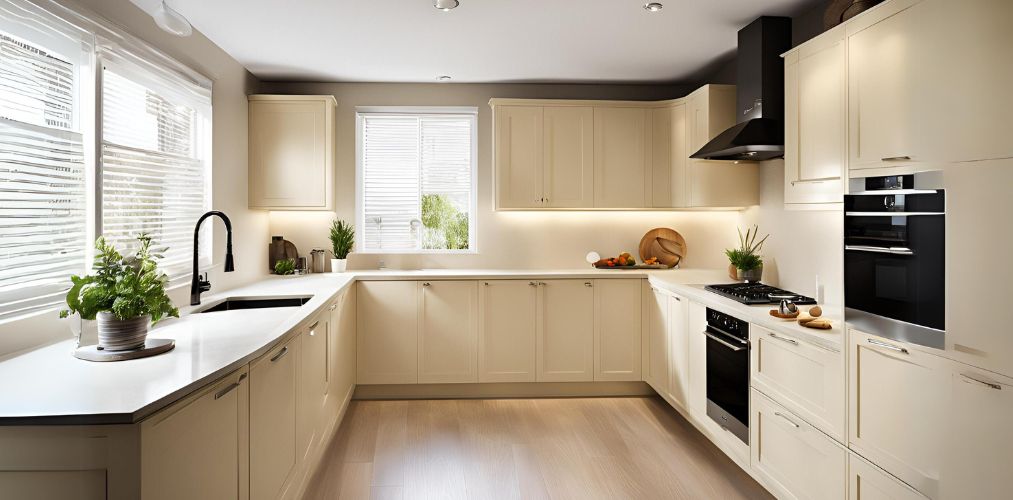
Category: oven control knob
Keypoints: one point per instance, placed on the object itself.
(889, 202)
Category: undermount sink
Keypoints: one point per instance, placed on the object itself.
(235, 303)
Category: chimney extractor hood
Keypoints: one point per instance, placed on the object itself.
(759, 133)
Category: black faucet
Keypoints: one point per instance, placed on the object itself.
(198, 284)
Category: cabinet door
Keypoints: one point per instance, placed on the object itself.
(807, 379)
(291, 152)
(519, 172)
(898, 404)
(884, 85)
(448, 337)
(815, 121)
(388, 327)
(659, 348)
(312, 394)
(678, 339)
(568, 157)
(978, 447)
(341, 363)
(621, 143)
(710, 110)
(798, 459)
(697, 320)
(507, 331)
(565, 335)
(273, 420)
(868, 482)
(617, 348)
(668, 159)
(192, 449)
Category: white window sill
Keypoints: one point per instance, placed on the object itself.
(469, 251)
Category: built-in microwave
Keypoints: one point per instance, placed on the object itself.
(894, 257)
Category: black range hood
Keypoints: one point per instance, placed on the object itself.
(759, 133)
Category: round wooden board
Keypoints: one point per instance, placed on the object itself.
(666, 244)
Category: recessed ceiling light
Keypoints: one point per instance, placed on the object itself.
(171, 21)
(653, 7)
(443, 78)
(446, 5)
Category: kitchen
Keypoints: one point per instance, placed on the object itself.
(478, 354)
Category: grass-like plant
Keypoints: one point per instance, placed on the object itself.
(284, 267)
(342, 238)
(747, 257)
(127, 287)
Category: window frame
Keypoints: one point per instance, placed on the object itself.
(363, 111)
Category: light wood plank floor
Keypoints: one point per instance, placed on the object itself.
(636, 448)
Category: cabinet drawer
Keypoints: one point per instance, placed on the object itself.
(807, 379)
(793, 456)
(868, 482)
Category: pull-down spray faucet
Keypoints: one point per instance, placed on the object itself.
(198, 284)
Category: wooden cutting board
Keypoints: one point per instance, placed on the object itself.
(666, 244)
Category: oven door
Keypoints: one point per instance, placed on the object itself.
(728, 382)
(894, 274)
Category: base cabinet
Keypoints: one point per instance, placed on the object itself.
(448, 336)
(868, 482)
(678, 345)
(507, 331)
(659, 349)
(196, 448)
(273, 455)
(388, 325)
(565, 335)
(793, 456)
(312, 395)
(617, 331)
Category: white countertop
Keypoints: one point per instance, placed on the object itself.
(49, 386)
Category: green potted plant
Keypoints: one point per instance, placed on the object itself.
(342, 238)
(126, 295)
(744, 262)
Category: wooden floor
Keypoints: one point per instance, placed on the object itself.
(637, 448)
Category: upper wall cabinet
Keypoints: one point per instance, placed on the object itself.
(927, 81)
(618, 155)
(815, 88)
(292, 149)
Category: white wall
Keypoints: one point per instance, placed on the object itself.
(802, 243)
(231, 84)
(505, 239)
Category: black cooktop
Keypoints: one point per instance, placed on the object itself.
(758, 293)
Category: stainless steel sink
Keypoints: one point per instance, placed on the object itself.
(237, 303)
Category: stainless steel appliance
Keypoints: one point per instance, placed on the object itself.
(758, 293)
(894, 257)
(728, 372)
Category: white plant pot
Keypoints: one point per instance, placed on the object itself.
(338, 265)
(122, 334)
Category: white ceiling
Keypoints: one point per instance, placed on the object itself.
(480, 41)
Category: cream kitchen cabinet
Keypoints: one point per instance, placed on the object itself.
(815, 85)
(978, 440)
(198, 447)
(710, 110)
(292, 149)
(341, 351)
(898, 404)
(544, 156)
(669, 156)
(565, 334)
(507, 331)
(448, 333)
(678, 358)
(387, 314)
(617, 331)
(658, 346)
(868, 482)
(621, 155)
(311, 397)
(697, 398)
(806, 378)
(273, 416)
(793, 456)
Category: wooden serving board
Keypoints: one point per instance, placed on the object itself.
(667, 245)
(638, 266)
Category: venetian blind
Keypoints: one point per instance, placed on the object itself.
(43, 217)
(404, 159)
(155, 161)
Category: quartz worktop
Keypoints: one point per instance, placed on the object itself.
(49, 386)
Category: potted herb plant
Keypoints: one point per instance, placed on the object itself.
(125, 294)
(745, 262)
(342, 238)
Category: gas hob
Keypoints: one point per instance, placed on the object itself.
(758, 293)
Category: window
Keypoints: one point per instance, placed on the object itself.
(63, 181)
(416, 180)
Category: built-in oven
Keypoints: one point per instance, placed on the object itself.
(728, 372)
(894, 258)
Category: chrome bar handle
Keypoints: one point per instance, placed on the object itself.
(991, 385)
(532, 283)
(588, 284)
(897, 158)
(790, 421)
(333, 307)
(890, 250)
(427, 284)
(887, 346)
(281, 354)
(724, 342)
(783, 339)
(230, 387)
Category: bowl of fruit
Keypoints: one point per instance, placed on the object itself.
(623, 260)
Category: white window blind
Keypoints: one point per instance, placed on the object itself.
(417, 181)
(43, 202)
(155, 161)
